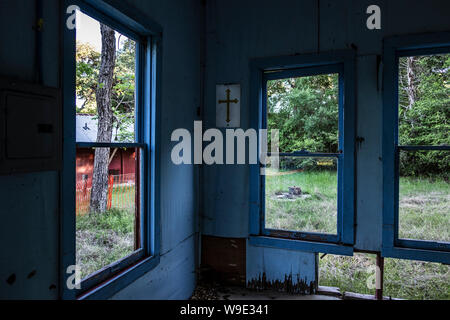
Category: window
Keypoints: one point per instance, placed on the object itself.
(416, 145)
(108, 197)
(110, 214)
(305, 198)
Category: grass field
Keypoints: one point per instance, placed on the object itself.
(123, 197)
(102, 239)
(424, 211)
(424, 214)
(403, 279)
(315, 212)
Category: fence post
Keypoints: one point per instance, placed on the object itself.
(110, 189)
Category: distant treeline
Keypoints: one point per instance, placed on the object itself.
(305, 110)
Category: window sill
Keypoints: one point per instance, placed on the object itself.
(300, 245)
(113, 285)
(416, 254)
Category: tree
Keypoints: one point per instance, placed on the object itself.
(123, 90)
(424, 113)
(305, 111)
(122, 94)
(411, 88)
(88, 64)
(123, 100)
(103, 95)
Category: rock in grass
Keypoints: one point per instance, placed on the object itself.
(296, 191)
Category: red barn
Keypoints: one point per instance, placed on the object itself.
(123, 160)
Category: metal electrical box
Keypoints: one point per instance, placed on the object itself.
(30, 127)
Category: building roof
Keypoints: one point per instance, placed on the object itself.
(86, 128)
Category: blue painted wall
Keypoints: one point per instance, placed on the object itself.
(30, 202)
(29, 229)
(237, 31)
(174, 278)
(281, 269)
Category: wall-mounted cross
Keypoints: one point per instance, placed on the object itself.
(228, 101)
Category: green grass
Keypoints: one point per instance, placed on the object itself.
(403, 279)
(424, 214)
(424, 210)
(315, 211)
(123, 197)
(103, 238)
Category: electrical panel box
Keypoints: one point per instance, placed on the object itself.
(30, 127)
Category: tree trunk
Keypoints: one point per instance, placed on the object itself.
(411, 89)
(99, 193)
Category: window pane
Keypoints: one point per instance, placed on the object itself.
(305, 110)
(424, 195)
(113, 118)
(107, 185)
(424, 100)
(105, 237)
(302, 195)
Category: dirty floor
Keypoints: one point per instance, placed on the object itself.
(236, 293)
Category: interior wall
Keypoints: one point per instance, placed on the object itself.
(238, 31)
(29, 202)
(256, 29)
(29, 228)
(175, 277)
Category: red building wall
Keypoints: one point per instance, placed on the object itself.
(124, 162)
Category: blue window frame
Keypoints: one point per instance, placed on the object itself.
(266, 69)
(147, 36)
(393, 245)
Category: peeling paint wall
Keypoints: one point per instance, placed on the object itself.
(281, 270)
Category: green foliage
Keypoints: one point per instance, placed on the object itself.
(305, 110)
(124, 90)
(123, 93)
(308, 164)
(426, 121)
(116, 220)
(87, 66)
